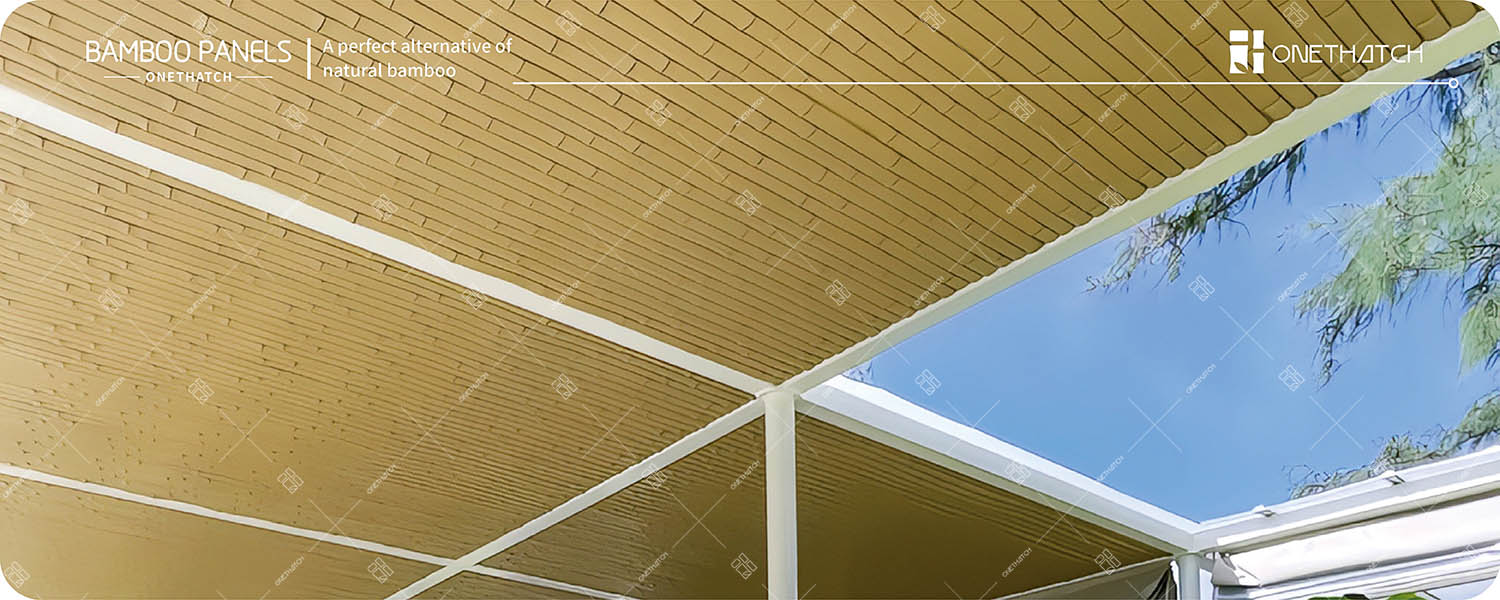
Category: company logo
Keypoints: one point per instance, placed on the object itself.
(1247, 51)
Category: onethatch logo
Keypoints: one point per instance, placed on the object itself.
(1248, 52)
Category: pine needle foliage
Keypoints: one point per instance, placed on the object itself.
(1162, 241)
(1479, 428)
(1436, 228)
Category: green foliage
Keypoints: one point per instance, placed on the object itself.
(1163, 239)
(1440, 227)
(1480, 427)
(1437, 227)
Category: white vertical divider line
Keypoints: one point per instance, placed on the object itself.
(1280, 135)
(32, 475)
(689, 444)
(41, 114)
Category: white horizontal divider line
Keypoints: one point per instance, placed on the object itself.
(258, 523)
(250, 194)
(1280, 135)
(1447, 82)
(679, 449)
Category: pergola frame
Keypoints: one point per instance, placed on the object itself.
(822, 394)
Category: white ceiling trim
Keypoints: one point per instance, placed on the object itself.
(262, 198)
(891, 420)
(1280, 135)
(321, 536)
(680, 449)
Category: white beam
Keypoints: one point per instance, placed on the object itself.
(689, 444)
(1419, 487)
(891, 420)
(781, 495)
(1295, 127)
(259, 197)
(39, 477)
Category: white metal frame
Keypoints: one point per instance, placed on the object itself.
(841, 402)
(1420, 486)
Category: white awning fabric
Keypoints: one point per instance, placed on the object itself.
(1445, 545)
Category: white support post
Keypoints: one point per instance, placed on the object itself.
(781, 495)
(1191, 571)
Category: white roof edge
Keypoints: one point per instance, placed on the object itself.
(25, 474)
(884, 417)
(1420, 486)
(265, 199)
(1281, 134)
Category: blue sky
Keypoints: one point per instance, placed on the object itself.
(1078, 377)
